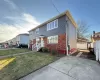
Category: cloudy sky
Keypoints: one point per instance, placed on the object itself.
(19, 16)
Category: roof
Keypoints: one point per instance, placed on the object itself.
(97, 33)
(82, 40)
(67, 13)
(23, 34)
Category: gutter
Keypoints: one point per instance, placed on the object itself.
(67, 38)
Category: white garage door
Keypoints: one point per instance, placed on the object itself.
(82, 45)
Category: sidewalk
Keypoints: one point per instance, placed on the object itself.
(68, 68)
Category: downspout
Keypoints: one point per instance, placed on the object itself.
(67, 37)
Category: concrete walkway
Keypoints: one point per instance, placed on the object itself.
(79, 54)
(68, 68)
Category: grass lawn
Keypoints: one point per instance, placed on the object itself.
(24, 64)
(12, 51)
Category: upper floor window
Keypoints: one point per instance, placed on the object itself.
(52, 25)
(37, 31)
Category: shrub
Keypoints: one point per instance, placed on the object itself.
(53, 52)
(44, 49)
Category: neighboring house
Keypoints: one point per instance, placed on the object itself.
(12, 42)
(95, 36)
(82, 43)
(21, 39)
(58, 33)
(4, 45)
(82, 40)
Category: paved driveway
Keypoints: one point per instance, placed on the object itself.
(68, 68)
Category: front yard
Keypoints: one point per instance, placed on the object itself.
(12, 51)
(15, 67)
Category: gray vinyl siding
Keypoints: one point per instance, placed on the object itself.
(72, 35)
(60, 30)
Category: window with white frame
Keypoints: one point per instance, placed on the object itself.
(52, 25)
(37, 31)
(53, 39)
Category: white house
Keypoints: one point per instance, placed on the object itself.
(19, 39)
(22, 39)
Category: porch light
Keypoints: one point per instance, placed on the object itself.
(41, 36)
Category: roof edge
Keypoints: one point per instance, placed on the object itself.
(67, 13)
(71, 18)
(64, 13)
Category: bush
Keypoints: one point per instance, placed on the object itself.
(44, 49)
(53, 52)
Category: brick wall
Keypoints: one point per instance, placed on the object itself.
(60, 46)
(34, 41)
(62, 41)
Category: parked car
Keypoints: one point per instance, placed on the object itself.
(22, 46)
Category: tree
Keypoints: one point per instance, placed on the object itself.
(83, 30)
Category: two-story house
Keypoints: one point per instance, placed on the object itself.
(58, 33)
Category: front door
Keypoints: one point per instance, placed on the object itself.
(37, 42)
(42, 42)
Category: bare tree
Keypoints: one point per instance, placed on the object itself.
(83, 30)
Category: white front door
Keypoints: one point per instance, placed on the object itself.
(42, 42)
(37, 43)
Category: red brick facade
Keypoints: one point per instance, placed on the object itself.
(60, 46)
(62, 41)
(34, 41)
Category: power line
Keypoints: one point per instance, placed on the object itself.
(55, 6)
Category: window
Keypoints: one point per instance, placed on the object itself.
(53, 39)
(37, 31)
(52, 25)
(56, 23)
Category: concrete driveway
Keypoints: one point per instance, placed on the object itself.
(68, 68)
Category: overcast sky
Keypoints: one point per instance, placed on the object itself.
(19, 16)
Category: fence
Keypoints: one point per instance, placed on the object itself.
(97, 50)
